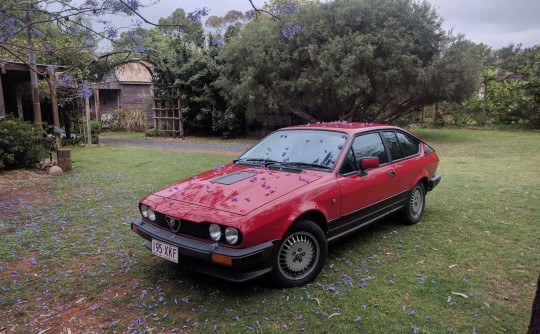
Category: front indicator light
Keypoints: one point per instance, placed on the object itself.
(215, 232)
(222, 259)
(231, 235)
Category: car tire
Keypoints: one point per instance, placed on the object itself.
(414, 208)
(300, 256)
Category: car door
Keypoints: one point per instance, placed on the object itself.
(364, 195)
(405, 154)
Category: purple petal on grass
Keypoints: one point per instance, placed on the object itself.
(412, 312)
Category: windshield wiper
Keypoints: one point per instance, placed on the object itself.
(304, 164)
(255, 161)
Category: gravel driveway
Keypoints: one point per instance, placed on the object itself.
(178, 145)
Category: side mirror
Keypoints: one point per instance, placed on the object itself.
(367, 163)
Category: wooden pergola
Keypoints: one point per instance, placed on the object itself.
(13, 75)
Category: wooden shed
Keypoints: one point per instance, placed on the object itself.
(128, 86)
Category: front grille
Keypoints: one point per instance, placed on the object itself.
(187, 228)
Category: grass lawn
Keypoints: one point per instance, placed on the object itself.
(123, 135)
(69, 262)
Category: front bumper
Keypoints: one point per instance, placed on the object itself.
(433, 182)
(246, 263)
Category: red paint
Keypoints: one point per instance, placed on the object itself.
(263, 207)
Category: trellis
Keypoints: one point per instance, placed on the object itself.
(168, 112)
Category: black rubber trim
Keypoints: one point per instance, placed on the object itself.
(433, 182)
(247, 263)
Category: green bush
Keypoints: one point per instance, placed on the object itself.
(73, 141)
(95, 127)
(95, 130)
(21, 144)
(115, 128)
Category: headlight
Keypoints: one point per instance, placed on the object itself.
(151, 214)
(215, 232)
(144, 210)
(231, 235)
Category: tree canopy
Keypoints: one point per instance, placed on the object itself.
(369, 60)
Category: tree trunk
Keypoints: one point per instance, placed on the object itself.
(33, 70)
(88, 127)
(54, 102)
(2, 103)
(304, 115)
(534, 325)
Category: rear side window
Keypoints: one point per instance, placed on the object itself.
(393, 145)
(369, 145)
(409, 146)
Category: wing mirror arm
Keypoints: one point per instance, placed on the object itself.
(367, 163)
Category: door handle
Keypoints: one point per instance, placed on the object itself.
(392, 173)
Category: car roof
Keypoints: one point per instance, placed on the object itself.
(342, 126)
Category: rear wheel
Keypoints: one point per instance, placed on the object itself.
(300, 256)
(414, 209)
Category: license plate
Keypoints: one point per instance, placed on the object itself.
(165, 251)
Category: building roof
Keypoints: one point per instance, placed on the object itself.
(134, 73)
(128, 73)
(20, 72)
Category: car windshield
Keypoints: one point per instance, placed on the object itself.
(317, 149)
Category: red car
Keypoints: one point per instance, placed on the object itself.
(275, 209)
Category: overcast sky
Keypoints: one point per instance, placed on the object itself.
(496, 23)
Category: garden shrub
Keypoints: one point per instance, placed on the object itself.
(133, 120)
(22, 144)
(95, 130)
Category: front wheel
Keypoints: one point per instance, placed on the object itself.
(414, 208)
(300, 256)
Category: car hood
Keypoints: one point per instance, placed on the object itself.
(237, 189)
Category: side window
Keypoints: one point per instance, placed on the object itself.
(409, 146)
(348, 165)
(369, 145)
(393, 145)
